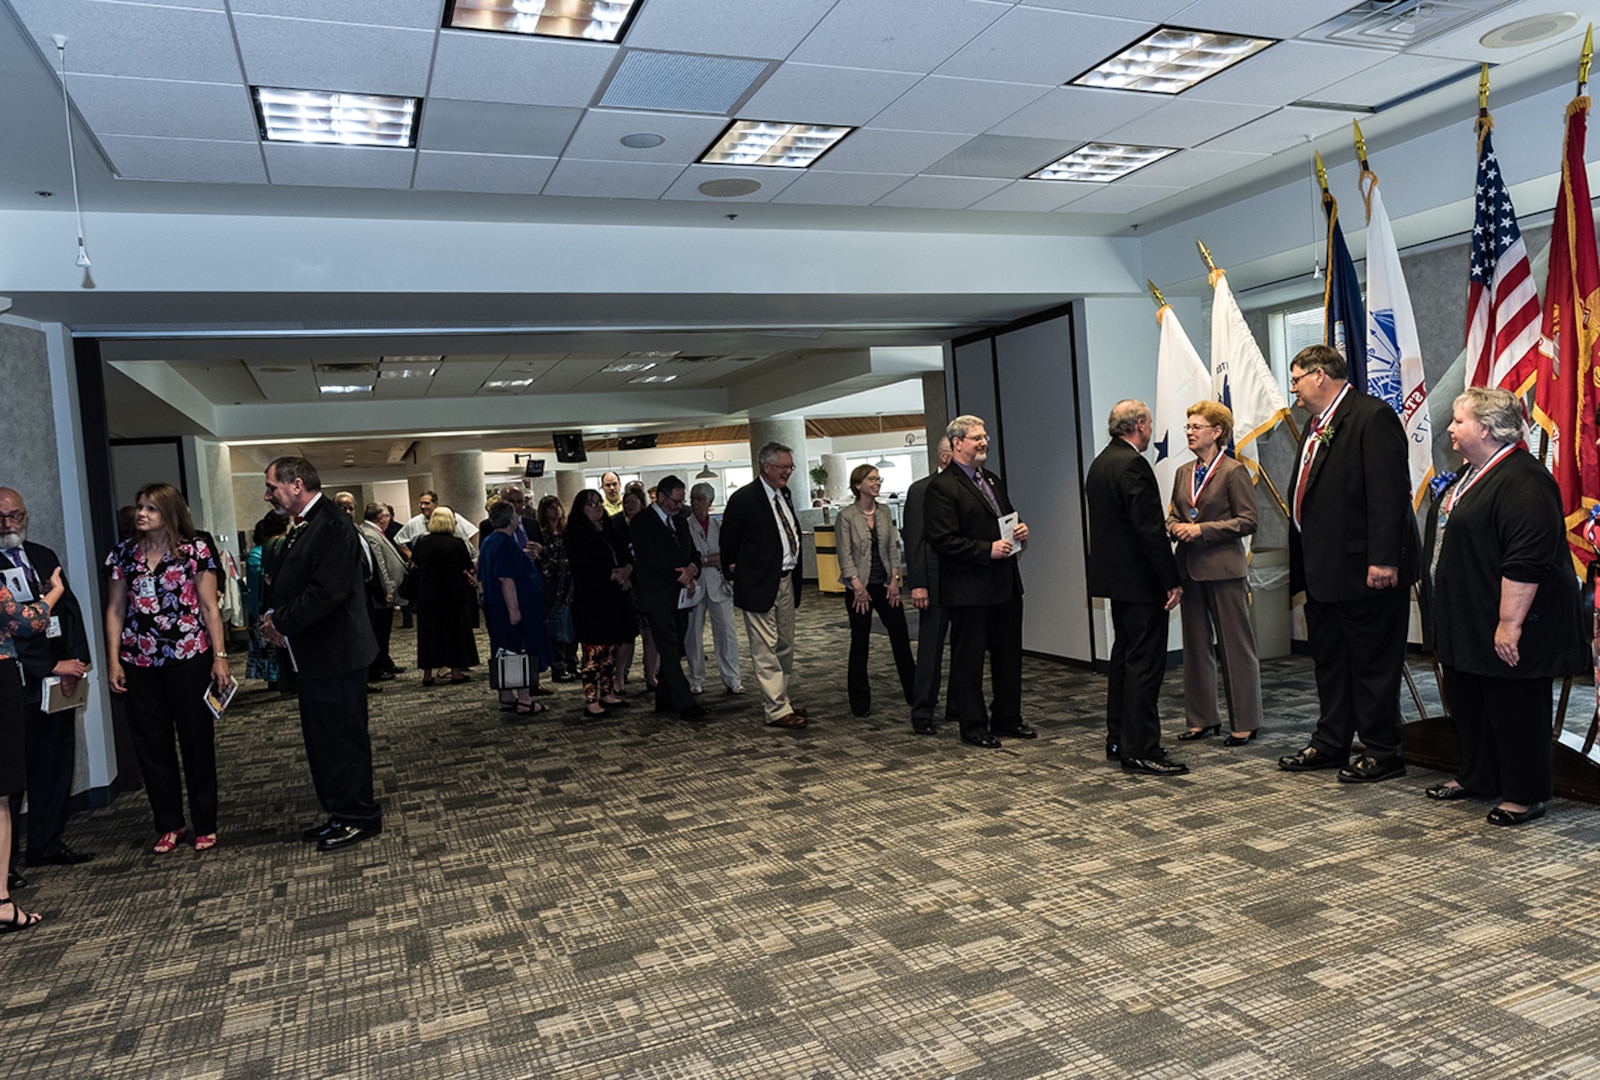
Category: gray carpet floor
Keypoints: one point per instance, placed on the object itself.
(642, 897)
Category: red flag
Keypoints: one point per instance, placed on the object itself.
(1565, 393)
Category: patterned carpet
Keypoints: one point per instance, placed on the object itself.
(645, 898)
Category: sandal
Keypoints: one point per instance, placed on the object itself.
(169, 841)
(20, 920)
(597, 715)
(206, 842)
(532, 708)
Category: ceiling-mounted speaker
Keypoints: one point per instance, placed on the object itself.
(636, 442)
(569, 447)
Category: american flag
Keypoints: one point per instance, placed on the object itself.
(1502, 301)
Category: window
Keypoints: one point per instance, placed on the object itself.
(1288, 333)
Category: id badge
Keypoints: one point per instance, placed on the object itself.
(53, 630)
(144, 587)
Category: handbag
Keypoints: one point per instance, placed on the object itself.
(510, 671)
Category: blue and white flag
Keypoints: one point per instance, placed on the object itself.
(1394, 352)
(1344, 323)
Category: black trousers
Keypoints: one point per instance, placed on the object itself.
(1133, 687)
(894, 621)
(164, 701)
(1504, 727)
(672, 685)
(52, 754)
(995, 629)
(333, 721)
(1358, 647)
(932, 625)
(383, 630)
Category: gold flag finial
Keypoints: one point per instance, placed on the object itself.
(1205, 254)
(1322, 172)
(1361, 146)
(1483, 88)
(1161, 301)
(1588, 55)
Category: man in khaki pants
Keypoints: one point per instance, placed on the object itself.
(761, 557)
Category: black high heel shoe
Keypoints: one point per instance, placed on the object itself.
(1199, 733)
(1240, 740)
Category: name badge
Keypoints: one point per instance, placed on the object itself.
(53, 630)
(144, 587)
(16, 583)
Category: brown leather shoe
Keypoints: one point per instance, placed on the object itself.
(788, 720)
(798, 711)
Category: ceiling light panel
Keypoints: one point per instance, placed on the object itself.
(652, 378)
(1170, 60)
(586, 20)
(1101, 163)
(325, 117)
(776, 145)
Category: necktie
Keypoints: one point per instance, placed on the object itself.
(788, 530)
(988, 492)
(1305, 467)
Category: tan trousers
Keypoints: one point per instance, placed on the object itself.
(771, 636)
(1225, 607)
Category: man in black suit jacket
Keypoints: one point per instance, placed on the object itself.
(1354, 552)
(761, 557)
(63, 650)
(980, 586)
(933, 621)
(1131, 564)
(318, 612)
(664, 564)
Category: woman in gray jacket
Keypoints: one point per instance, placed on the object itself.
(869, 565)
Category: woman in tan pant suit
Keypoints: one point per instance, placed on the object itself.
(1213, 510)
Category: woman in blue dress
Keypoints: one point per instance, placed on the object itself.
(513, 604)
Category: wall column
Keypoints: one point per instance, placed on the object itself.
(458, 478)
(791, 433)
(935, 413)
(838, 488)
(568, 483)
(416, 483)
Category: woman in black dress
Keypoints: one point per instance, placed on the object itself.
(1506, 614)
(557, 573)
(446, 600)
(621, 525)
(602, 604)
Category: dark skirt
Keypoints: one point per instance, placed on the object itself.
(13, 737)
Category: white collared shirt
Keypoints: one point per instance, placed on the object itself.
(791, 558)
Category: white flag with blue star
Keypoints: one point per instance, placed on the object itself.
(1394, 352)
(1240, 377)
(1181, 380)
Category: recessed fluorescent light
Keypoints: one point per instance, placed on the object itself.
(783, 146)
(590, 20)
(1101, 163)
(410, 359)
(629, 365)
(506, 384)
(321, 116)
(1170, 60)
(334, 389)
(652, 378)
(407, 372)
(651, 354)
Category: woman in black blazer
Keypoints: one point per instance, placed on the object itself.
(446, 600)
(602, 604)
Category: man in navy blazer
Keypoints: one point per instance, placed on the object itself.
(665, 563)
(1353, 549)
(318, 613)
(980, 586)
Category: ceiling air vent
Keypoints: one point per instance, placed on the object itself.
(1400, 24)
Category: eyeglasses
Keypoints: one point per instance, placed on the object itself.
(19, 516)
(1198, 427)
(1295, 379)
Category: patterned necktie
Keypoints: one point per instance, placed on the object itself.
(788, 530)
(1305, 469)
(988, 492)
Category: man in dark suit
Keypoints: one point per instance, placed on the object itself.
(980, 586)
(1131, 564)
(761, 557)
(665, 563)
(1354, 551)
(922, 577)
(318, 612)
(62, 650)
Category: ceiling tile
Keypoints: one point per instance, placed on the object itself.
(838, 188)
(1281, 130)
(128, 39)
(769, 31)
(1154, 11)
(495, 127)
(1038, 196)
(305, 54)
(1008, 157)
(339, 166)
(1076, 112)
(678, 82)
(939, 103)
(599, 135)
(811, 94)
(1393, 78)
(1285, 72)
(1280, 20)
(1010, 49)
(772, 181)
(941, 192)
(1120, 199)
(200, 161)
(113, 105)
(415, 14)
(524, 70)
(896, 35)
(1183, 123)
(494, 173)
(873, 150)
(1194, 167)
(611, 179)
(1463, 44)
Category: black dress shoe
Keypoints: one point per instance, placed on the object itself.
(1446, 792)
(694, 712)
(396, 670)
(924, 727)
(1239, 740)
(348, 835)
(63, 856)
(1367, 769)
(320, 832)
(1154, 766)
(383, 676)
(1199, 733)
(1021, 731)
(1501, 816)
(1310, 759)
(1113, 752)
(988, 742)
(15, 880)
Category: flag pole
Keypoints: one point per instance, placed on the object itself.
(1583, 61)
(1361, 147)
(1161, 301)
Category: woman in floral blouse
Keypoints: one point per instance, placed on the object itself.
(17, 619)
(165, 641)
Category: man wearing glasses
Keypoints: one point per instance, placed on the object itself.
(62, 650)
